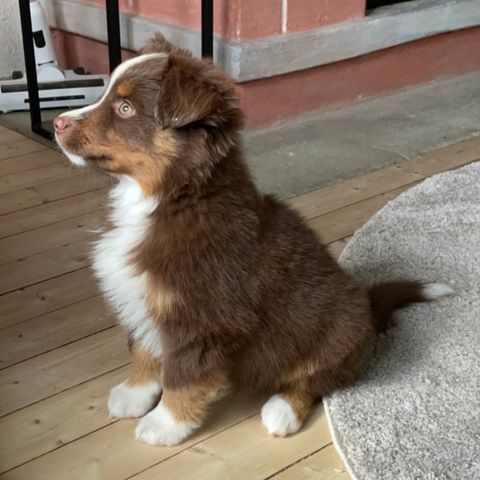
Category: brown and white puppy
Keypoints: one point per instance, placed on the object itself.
(217, 285)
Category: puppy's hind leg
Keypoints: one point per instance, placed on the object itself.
(285, 412)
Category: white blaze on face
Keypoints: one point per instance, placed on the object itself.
(117, 73)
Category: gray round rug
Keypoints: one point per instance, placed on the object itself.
(416, 415)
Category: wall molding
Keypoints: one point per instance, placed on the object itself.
(254, 59)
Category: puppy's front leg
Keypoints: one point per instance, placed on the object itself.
(181, 411)
(139, 394)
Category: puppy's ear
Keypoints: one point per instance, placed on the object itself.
(192, 91)
(157, 44)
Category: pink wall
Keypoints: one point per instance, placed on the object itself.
(74, 50)
(242, 18)
(305, 14)
(272, 99)
(246, 19)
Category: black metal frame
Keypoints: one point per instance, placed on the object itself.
(207, 28)
(113, 29)
(114, 52)
(31, 71)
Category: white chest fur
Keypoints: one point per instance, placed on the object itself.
(121, 284)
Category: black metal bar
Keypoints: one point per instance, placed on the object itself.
(113, 29)
(31, 70)
(207, 28)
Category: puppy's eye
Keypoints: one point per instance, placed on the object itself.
(125, 109)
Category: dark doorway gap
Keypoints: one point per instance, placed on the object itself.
(381, 3)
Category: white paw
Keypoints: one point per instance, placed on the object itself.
(160, 428)
(127, 402)
(279, 418)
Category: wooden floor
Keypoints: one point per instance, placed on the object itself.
(61, 352)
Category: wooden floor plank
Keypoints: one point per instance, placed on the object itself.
(51, 191)
(323, 465)
(52, 212)
(389, 178)
(10, 136)
(53, 294)
(20, 147)
(30, 161)
(23, 245)
(336, 248)
(37, 176)
(447, 158)
(45, 265)
(47, 425)
(45, 333)
(113, 453)
(48, 374)
(353, 190)
(345, 221)
(243, 451)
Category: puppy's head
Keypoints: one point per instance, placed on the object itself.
(162, 112)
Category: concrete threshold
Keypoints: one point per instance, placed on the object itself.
(325, 147)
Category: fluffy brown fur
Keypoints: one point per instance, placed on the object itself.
(241, 289)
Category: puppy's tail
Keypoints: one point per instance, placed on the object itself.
(385, 298)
